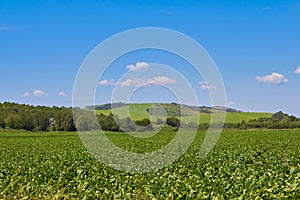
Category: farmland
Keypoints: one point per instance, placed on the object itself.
(244, 164)
(138, 111)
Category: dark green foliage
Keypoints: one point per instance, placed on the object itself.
(278, 121)
(85, 120)
(2, 122)
(64, 120)
(86, 123)
(21, 116)
(108, 123)
(106, 106)
(20, 121)
(41, 121)
(203, 126)
(232, 125)
(293, 118)
(205, 109)
(113, 123)
(143, 122)
(280, 116)
(37, 118)
(173, 121)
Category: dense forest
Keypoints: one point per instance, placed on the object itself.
(43, 118)
(36, 118)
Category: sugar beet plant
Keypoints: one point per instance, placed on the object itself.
(244, 164)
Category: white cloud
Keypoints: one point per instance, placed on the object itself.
(204, 85)
(274, 78)
(26, 94)
(39, 93)
(62, 94)
(130, 67)
(107, 82)
(136, 82)
(138, 66)
(160, 80)
(297, 71)
(207, 87)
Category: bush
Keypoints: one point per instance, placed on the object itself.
(2, 123)
(173, 121)
(143, 122)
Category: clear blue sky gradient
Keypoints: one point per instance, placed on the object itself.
(43, 43)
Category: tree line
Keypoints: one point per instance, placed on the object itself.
(43, 118)
(36, 118)
(278, 120)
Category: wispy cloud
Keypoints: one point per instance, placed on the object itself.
(155, 81)
(39, 93)
(138, 66)
(135, 82)
(274, 78)
(26, 94)
(107, 82)
(297, 71)
(206, 86)
(62, 94)
(160, 80)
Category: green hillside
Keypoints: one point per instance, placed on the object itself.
(139, 111)
(136, 111)
(231, 117)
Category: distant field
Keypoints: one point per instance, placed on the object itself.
(230, 117)
(243, 165)
(138, 111)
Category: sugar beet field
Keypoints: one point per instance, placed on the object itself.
(245, 164)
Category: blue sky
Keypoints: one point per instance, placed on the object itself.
(255, 45)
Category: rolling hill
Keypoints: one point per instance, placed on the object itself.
(189, 113)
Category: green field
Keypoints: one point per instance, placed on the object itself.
(138, 111)
(244, 164)
(231, 117)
